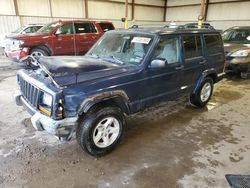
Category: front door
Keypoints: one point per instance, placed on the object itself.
(164, 83)
(64, 40)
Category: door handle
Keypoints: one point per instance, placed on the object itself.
(202, 62)
(179, 68)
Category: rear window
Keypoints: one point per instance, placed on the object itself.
(106, 26)
(213, 44)
(192, 46)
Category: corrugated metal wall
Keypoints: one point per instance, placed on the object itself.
(9, 23)
(221, 13)
(40, 11)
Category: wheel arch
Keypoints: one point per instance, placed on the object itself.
(42, 47)
(212, 73)
(116, 98)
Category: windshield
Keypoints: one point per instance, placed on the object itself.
(18, 30)
(47, 28)
(240, 36)
(122, 47)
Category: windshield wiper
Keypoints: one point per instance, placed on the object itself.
(113, 58)
(94, 55)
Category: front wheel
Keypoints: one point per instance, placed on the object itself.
(37, 52)
(203, 94)
(100, 131)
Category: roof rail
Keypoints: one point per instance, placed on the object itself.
(136, 26)
(192, 25)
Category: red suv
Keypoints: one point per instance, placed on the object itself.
(57, 38)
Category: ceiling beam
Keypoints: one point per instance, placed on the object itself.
(206, 10)
(133, 10)
(165, 10)
(136, 4)
(16, 7)
(86, 8)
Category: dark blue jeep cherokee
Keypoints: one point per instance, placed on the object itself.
(125, 72)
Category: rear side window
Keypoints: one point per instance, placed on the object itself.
(106, 26)
(84, 28)
(192, 46)
(213, 44)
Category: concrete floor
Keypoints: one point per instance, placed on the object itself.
(172, 145)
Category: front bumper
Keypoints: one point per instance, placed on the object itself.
(237, 68)
(16, 55)
(237, 65)
(63, 129)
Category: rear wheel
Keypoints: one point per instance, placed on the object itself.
(101, 130)
(203, 94)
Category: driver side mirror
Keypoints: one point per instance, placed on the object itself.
(158, 64)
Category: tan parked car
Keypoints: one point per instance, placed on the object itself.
(237, 49)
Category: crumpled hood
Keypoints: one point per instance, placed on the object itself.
(68, 70)
(232, 47)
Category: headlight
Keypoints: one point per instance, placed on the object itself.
(45, 104)
(240, 53)
(47, 100)
(16, 44)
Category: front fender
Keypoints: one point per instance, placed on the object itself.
(118, 97)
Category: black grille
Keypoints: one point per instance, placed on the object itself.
(30, 92)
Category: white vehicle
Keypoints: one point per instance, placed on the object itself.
(31, 28)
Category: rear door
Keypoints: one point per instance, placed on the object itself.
(164, 83)
(85, 37)
(194, 60)
(215, 51)
(63, 40)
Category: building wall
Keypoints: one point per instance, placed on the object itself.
(45, 11)
(229, 14)
(222, 14)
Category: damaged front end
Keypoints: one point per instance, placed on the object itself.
(43, 99)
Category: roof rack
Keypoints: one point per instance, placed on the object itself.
(192, 25)
(135, 26)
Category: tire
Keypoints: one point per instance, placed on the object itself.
(37, 52)
(203, 94)
(101, 130)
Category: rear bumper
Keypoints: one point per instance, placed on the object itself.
(60, 128)
(17, 54)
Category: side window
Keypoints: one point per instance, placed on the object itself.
(192, 46)
(35, 29)
(213, 44)
(65, 29)
(168, 49)
(106, 26)
(28, 30)
(84, 28)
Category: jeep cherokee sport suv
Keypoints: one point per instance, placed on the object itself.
(57, 38)
(125, 72)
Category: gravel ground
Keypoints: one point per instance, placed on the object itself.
(171, 145)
